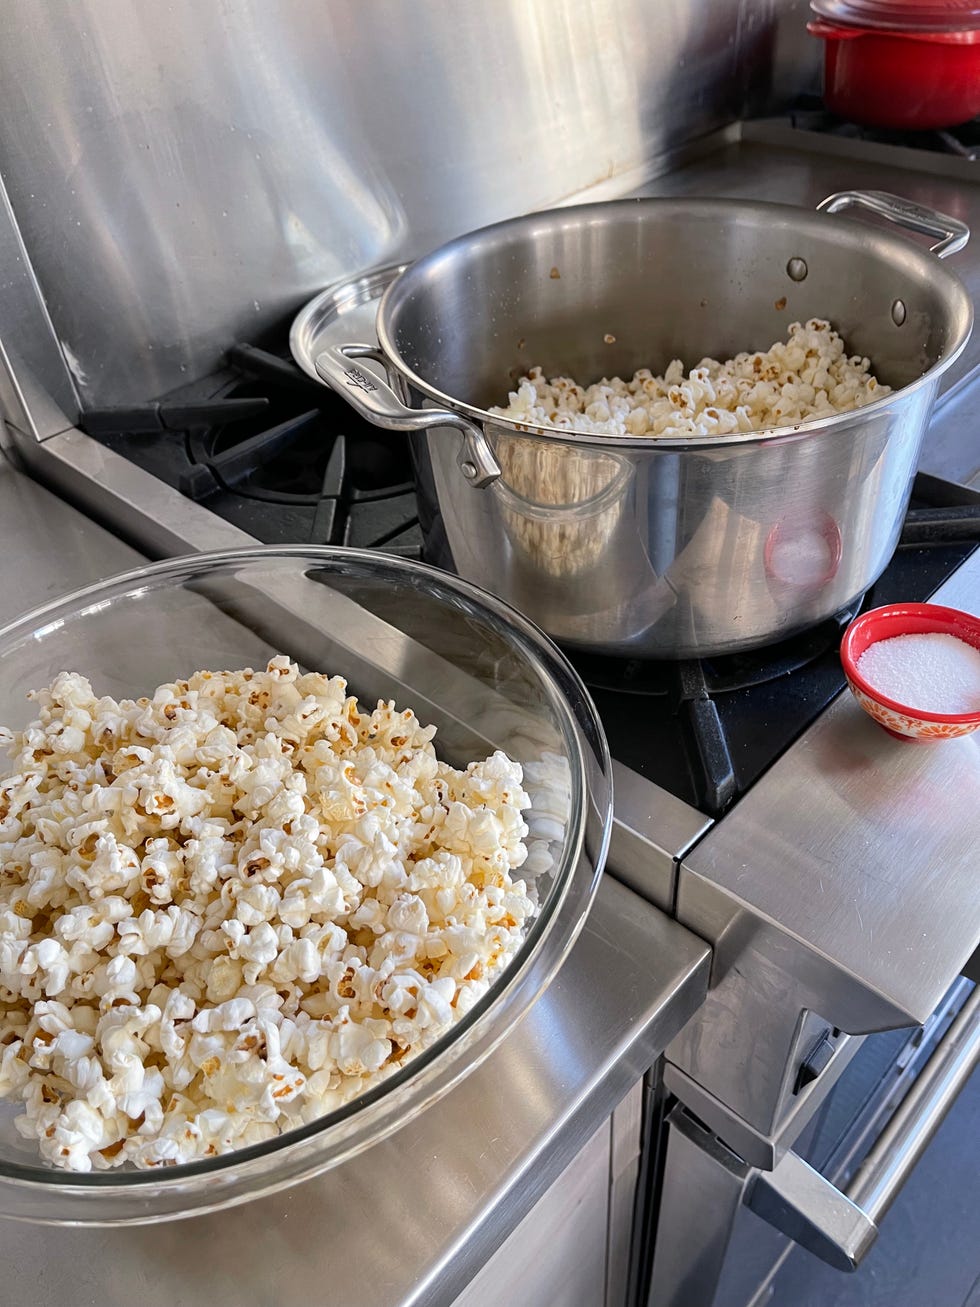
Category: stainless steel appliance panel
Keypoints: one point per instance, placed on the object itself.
(831, 1193)
(189, 173)
(36, 389)
(843, 884)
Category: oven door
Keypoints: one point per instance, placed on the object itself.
(829, 1194)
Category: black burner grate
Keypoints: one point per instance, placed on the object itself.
(274, 452)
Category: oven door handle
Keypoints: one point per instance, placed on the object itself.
(840, 1227)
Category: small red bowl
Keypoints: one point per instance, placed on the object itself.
(905, 721)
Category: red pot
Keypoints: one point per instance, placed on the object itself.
(910, 80)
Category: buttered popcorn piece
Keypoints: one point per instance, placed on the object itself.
(235, 905)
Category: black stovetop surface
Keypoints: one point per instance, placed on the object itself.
(962, 141)
(283, 458)
(758, 718)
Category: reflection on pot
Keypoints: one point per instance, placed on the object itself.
(803, 553)
(559, 504)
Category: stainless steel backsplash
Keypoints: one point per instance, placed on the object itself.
(186, 174)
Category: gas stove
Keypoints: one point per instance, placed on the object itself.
(274, 453)
(829, 866)
(258, 450)
(285, 459)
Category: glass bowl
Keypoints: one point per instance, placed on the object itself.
(466, 663)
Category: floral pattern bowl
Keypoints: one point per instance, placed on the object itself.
(905, 721)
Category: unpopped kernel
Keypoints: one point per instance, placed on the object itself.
(233, 906)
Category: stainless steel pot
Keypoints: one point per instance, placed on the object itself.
(654, 547)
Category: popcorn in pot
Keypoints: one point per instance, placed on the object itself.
(233, 906)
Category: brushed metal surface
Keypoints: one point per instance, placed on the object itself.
(836, 1221)
(951, 449)
(703, 1188)
(188, 174)
(840, 1227)
(880, 1177)
(48, 546)
(844, 883)
(652, 830)
(572, 1248)
(749, 1038)
(139, 507)
(624, 1169)
(801, 1203)
(637, 547)
(558, 1252)
(36, 391)
(752, 1145)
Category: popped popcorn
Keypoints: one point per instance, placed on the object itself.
(234, 905)
(807, 376)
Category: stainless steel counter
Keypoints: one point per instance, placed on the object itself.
(411, 1220)
(48, 547)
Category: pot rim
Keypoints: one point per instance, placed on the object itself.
(834, 31)
(766, 210)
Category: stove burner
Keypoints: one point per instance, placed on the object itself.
(721, 674)
(963, 142)
(269, 464)
(691, 688)
(263, 433)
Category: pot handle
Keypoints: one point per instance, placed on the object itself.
(375, 400)
(906, 213)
